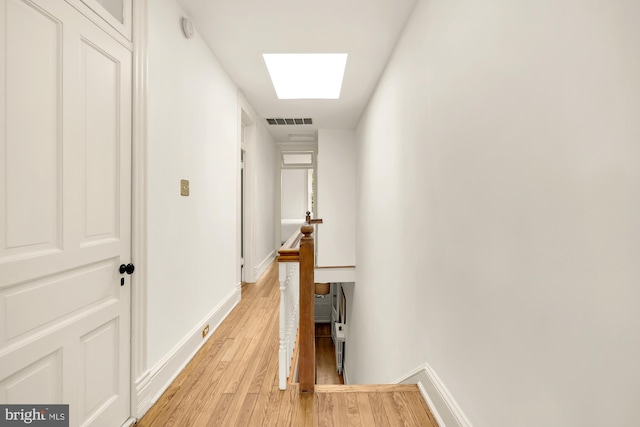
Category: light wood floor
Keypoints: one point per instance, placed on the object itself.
(233, 381)
(326, 370)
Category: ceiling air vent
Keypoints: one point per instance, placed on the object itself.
(290, 121)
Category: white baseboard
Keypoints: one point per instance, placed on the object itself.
(130, 422)
(264, 264)
(442, 404)
(150, 386)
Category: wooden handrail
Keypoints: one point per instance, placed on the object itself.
(290, 251)
(308, 219)
(307, 347)
(299, 248)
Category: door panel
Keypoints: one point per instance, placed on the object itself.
(28, 307)
(100, 84)
(33, 145)
(65, 206)
(40, 381)
(100, 382)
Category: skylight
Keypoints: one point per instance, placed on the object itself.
(306, 75)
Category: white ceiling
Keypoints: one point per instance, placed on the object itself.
(240, 31)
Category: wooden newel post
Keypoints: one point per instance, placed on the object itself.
(307, 362)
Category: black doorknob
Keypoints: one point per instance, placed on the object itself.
(129, 268)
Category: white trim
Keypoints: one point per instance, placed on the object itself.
(334, 274)
(139, 370)
(285, 165)
(96, 13)
(345, 377)
(159, 378)
(442, 404)
(130, 422)
(278, 202)
(247, 117)
(260, 269)
(293, 147)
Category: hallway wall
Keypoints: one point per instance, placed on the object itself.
(193, 134)
(293, 193)
(336, 198)
(502, 144)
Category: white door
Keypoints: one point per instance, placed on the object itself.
(65, 208)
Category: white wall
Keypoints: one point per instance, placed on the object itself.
(293, 194)
(192, 135)
(266, 170)
(498, 210)
(336, 197)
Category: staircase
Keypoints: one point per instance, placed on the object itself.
(335, 404)
(234, 380)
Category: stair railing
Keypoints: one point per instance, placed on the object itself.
(298, 254)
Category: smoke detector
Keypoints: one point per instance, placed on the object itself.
(187, 28)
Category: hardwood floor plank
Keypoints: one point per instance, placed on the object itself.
(377, 410)
(326, 370)
(323, 330)
(262, 410)
(259, 410)
(285, 414)
(231, 347)
(210, 376)
(354, 417)
(262, 367)
(174, 395)
(246, 410)
(233, 374)
(272, 409)
(243, 369)
(204, 402)
(215, 418)
(270, 383)
(403, 407)
(339, 414)
(306, 414)
(242, 377)
(325, 410)
(266, 351)
(393, 413)
(420, 410)
(366, 413)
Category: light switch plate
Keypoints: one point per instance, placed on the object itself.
(184, 187)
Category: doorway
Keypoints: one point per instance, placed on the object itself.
(243, 193)
(245, 205)
(65, 265)
(297, 189)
